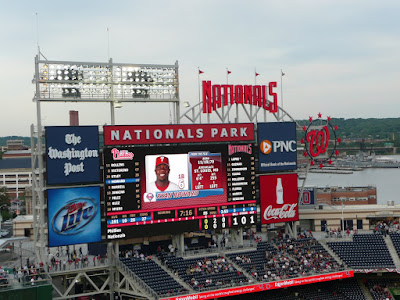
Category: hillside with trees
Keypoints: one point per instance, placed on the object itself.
(372, 129)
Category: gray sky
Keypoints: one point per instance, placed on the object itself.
(341, 58)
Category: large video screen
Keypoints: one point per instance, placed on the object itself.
(171, 189)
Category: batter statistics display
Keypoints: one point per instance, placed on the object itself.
(172, 189)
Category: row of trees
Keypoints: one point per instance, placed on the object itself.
(376, 129)
(5, 203)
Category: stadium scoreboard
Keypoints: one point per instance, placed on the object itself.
(214, 188)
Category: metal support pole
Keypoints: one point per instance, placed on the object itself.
(112, 257)
(40, 188)
(177, 107)
(342, 217)
(112, 107)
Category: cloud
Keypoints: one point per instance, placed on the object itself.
(338, 56)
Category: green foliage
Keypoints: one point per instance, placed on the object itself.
(369, 128)
(382, 129)
(4, 197)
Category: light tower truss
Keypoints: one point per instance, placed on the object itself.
(233, 114)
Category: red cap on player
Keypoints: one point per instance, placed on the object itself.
(162, 160)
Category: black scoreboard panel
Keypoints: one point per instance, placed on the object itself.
(214, 189)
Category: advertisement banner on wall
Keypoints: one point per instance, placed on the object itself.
(278, 198)
(263, 287)
(72, 154)
(74, 216)
(277, 141)
(308, 196)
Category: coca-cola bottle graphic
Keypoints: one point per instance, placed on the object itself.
(279, 191)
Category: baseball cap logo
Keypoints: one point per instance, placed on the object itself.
(149, 196)
(266, 147)
(162, 160)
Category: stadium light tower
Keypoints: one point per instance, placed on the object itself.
(91, 82)
(115, 83)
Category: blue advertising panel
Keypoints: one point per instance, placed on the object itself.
(74, 216)
(72, 154)
(277, 142)
(308, 196)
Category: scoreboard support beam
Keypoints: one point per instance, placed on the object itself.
(237, 238)
(112, 257)
(178, 241)
(289, 229)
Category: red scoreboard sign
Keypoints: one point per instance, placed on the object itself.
(278, 197)
(165, 134)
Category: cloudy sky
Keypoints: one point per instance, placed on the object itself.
(341, 58)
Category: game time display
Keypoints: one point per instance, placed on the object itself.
(171, 189)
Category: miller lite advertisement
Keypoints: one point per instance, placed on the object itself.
(74, 216)
(278, 198)
(277, 142)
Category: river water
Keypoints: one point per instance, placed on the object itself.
(386, 180)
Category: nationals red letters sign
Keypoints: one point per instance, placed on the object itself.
(278, 197)
(162, 134)
(217, 95)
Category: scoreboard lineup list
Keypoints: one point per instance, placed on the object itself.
(123, 191)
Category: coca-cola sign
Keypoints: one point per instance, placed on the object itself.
(279, 198)
(284, 212)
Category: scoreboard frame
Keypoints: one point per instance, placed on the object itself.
(204, 209)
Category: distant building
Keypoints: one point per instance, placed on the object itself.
(16, 175)
(360, 217)
(335, 195)
(17, 153)
(23, 226)
(16, 145)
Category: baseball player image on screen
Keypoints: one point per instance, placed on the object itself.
(162, 183)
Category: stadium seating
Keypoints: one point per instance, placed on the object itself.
(254, 262)
(366, 251)
(310, 255)
(379, 287)
(205, 273)
(347, 289)
(154, 276)
(396, 241)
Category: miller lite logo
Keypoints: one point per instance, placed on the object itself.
(74, 216)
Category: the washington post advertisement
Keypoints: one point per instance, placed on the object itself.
(72, 154)
(74, 216)
(277, 141)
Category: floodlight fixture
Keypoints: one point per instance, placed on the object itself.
(107, 82)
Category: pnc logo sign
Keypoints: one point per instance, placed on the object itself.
(277, 146)
(267, 146)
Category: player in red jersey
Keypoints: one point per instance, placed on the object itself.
(162, 183)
